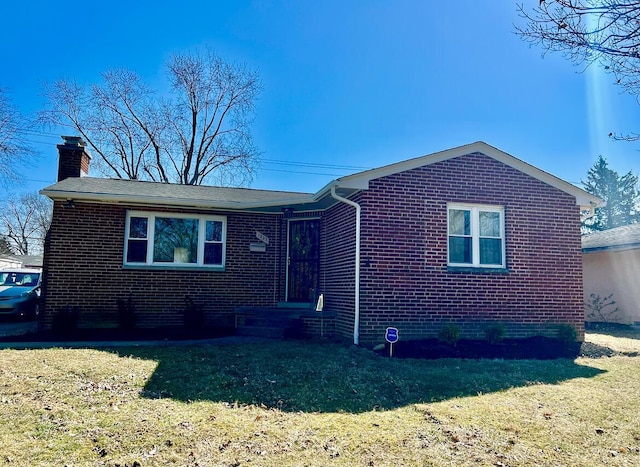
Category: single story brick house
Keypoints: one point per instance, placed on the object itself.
(20, 261)
(611, 263)
(469, 236)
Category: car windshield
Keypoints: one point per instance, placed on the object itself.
(21, 279)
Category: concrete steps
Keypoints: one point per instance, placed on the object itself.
(274, 322)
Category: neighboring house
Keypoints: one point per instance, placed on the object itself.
(469, 236)
(20, 261)
(611, 265)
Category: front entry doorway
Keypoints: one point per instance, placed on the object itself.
(303, 260)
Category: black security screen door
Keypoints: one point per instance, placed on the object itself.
(304, 260)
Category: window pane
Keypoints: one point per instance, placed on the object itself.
(175, 240)
(459, 222)
(460, 250)
(490, 251)
(213, 253)
(489, 224)
(138, 227)
(214, 231)
(136, 251)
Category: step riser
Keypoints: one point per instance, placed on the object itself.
(253, 331)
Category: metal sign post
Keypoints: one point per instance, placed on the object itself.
(391, 335)
(319, 308)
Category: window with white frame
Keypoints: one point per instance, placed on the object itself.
(476, 236)
(164, 239)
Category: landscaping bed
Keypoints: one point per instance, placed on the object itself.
(116, 334)
(539, 348)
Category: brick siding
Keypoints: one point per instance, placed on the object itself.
(74, 161)
(84, 269)
(405, 281)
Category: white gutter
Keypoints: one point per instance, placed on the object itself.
(356, 321)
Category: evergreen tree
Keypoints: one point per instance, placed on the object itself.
(5, 246)
(619, 192)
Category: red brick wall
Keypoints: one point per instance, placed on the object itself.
(84, 268)
(74, 161)
(405, 279)
(338, 280)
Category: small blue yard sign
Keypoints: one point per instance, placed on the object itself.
(391, 335)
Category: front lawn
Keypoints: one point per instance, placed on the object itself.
(304, 403)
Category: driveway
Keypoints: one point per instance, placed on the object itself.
(17, 328)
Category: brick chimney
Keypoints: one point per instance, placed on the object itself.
(73, 159)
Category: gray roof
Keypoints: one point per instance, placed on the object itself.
(141, 192)
(620, 238)
(162, 194)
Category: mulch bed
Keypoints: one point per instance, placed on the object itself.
(537, 348)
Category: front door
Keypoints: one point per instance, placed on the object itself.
(303, 260)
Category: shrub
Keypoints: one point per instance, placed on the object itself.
(193, 315)
(494, 333)
(449, 334)
(566, 333)
(65, 320)
(126, 313)
(602, 309)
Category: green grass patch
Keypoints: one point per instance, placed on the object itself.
(307, 403)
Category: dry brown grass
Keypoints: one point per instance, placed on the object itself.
(301, 403)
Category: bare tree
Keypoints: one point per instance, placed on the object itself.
(604, 32)
(13, 150)
(196, 132)
(24, 222)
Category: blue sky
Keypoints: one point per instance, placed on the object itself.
(346, 84)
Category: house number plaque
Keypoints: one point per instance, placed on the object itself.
(263, 238)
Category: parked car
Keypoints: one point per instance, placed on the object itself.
(19, 293)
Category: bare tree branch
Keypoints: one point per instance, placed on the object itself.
(25, 221)
(14, 152)
(197, 131)
(606, 32)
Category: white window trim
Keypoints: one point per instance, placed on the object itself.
(151, 216)
(475, 234)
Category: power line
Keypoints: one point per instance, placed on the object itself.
(302, 172)
(314, 164)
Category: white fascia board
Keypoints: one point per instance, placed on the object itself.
(362, 184)
(583, 198)
(361, 180)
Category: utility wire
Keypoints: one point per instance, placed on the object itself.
(349, 168)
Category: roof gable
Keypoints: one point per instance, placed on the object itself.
(163, 194)
(360, 181)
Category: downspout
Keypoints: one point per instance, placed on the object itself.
(356, 322)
